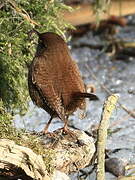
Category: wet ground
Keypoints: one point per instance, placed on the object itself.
(116, 75)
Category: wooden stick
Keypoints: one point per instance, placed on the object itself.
(109, 106)
(22, 13)
(127, 178)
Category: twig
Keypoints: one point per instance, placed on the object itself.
(109, 106)
(123, 118)
(131, 113)
(127, 178)
(1, 5)
(132, 166)
(22, 12)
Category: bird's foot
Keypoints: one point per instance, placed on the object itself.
(73, 135)
(66, 131)
(48, 134)
(45, 131)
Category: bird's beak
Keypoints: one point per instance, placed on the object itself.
(31, 32)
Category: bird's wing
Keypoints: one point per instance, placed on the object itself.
(82, 93)
(72, 83)
(74, 71)
(46, 85)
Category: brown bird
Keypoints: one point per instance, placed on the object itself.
(54, 80)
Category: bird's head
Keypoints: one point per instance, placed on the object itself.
(49, 42)
(48, 39)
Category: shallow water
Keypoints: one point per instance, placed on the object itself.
(118, 77)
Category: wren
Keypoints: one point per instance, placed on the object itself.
(54, 80)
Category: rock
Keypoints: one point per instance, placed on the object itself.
(115, 166)
(68, 154)
(57, 175)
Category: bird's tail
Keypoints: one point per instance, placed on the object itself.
(91, 96)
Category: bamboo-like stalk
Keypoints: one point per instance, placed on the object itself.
(109, 106)
(127, 178)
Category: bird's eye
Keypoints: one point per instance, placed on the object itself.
(42, 44)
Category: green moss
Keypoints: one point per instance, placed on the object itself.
(33, 142)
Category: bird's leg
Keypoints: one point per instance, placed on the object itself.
(45, 131)
(66, 130)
